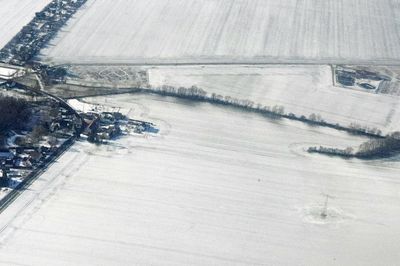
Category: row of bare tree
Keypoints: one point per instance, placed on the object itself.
(196, 93)
(276, 111)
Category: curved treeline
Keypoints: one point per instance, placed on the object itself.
(276, 111)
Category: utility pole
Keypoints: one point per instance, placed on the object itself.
(324, 212)
(58, 5)
(129, 112)
(4, 178)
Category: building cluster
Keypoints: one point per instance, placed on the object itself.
(359, 77)
(24, 152)
(24, 157)
(40, 30)
(65, 123)
(17, 162)
(103, 126)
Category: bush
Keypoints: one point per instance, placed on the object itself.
(38, 133)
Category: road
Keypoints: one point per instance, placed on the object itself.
(216, 62)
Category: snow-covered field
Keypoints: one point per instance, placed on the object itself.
(216, 187)
(153, 31)
(302, 90)
(14, 14)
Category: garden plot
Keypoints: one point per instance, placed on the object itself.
(229, 31)
(302, 90)
(103, 76)
(216, 187)
(15, 14)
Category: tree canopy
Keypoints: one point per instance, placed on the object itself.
(14, 113)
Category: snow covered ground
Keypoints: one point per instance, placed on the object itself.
(153, 31)
(15, 14)
(301, 89)
(216, 187)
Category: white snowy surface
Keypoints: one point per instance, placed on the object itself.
(81, 105)
(301, 89)
(7, 72)
(154, 31)
(14, 14)
(216, 187)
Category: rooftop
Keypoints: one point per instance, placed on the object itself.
(8, 72)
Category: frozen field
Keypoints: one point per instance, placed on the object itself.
(302, 90)
(14, 14)
(217, 187)
(267, 31)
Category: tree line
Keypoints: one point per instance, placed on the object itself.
(196, 93)
(371, 149)
(276, 111)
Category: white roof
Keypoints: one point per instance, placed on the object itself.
(8, 71)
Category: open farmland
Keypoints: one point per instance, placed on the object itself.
(217, 187)
(14, 14)
(302, 90)
(215, 166)
(231, 31)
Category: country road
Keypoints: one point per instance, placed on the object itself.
(216, 62)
